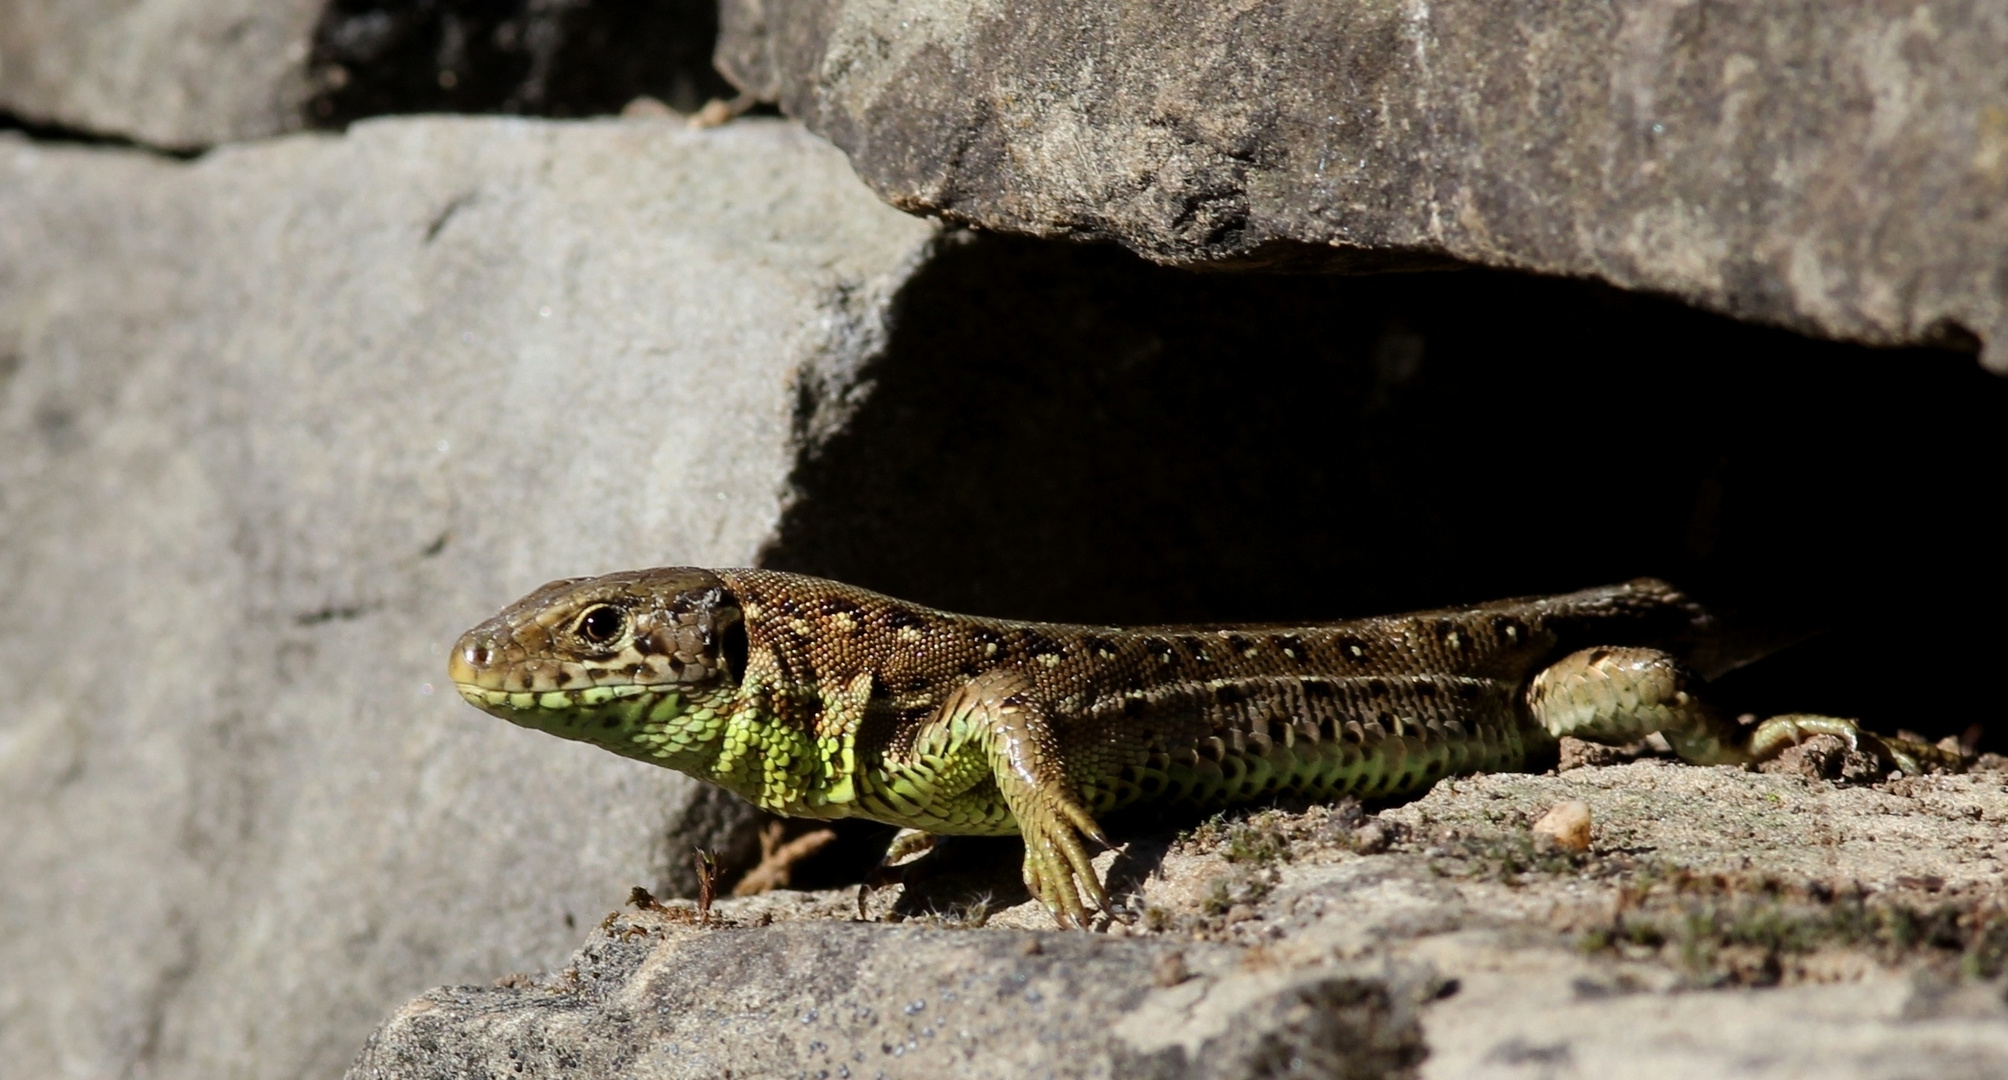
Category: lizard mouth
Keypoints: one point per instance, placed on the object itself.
(494, 699)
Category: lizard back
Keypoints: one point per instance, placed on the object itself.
(1204, 716)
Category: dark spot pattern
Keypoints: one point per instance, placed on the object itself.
(1037, 644)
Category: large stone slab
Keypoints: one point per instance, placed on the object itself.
(274, 427)
(653, 996)
(1840, 171)
(1721, 924)
(188, 74)
(175, 73)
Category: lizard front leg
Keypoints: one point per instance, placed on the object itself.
(991, 729)
(1621, 695)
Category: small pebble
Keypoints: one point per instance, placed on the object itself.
(1567, 824)
(1372, 838)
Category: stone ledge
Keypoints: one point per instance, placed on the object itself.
(1842, 176)
(1722, 924)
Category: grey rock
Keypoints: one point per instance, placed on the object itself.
(1841, 173)
(172, 73)
(189, 74)
(1314, 958)
(274, 427)
(655, 996)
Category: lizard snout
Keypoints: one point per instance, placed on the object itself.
(474, 663)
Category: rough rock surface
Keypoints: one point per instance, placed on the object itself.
(1841, 171)
(274, 427)
(1723, 924)
(188, 74)
(173, 73)
(655, 995)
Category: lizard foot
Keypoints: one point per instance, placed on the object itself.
(1912, 757)
(891, 870)
(1058, 869)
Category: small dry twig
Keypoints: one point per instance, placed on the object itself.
(707, 883)
(719, 111)
(778, 858)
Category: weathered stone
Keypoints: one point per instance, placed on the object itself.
(1840, 171)
(172, 73)
(654, 996)
(187, 74)
(274, 427)
(1722, 924)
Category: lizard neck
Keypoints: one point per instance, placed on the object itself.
(678, 728)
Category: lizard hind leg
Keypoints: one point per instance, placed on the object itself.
(1774, 735)
(1621, 695)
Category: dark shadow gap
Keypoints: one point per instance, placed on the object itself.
(63, 135)
(555, 58)
(1068, 432)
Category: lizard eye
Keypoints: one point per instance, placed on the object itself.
(601, 625)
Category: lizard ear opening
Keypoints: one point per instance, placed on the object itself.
(732, 648)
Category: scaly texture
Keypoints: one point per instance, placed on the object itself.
(817, 699)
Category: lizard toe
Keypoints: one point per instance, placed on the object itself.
(1058, 869)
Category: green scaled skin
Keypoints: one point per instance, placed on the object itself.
(816, 699)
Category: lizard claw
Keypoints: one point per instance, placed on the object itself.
(1912, 757)
(1058, 869)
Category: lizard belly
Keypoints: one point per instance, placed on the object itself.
(1227, 741)
(915, 798)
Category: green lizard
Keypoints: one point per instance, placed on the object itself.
(817, 699)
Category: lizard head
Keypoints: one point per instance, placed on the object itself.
(627, 660)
